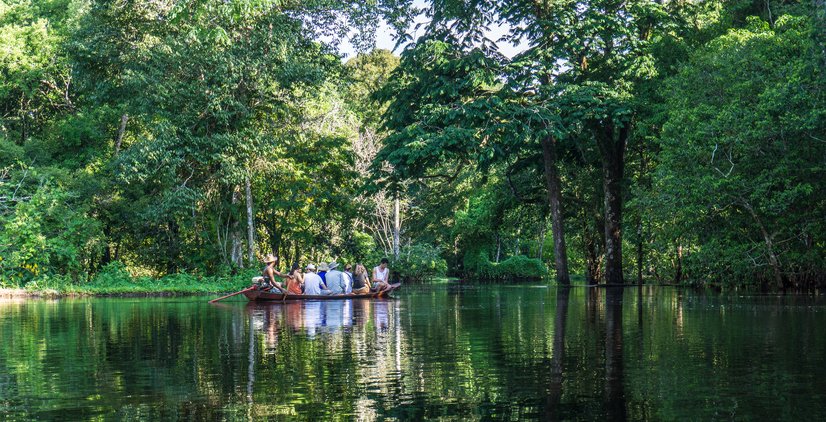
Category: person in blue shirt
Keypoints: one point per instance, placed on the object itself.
(322, 272)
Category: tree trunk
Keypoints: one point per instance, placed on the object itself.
(640, 252)
(173, 247)
(774, 263)
(498, 247)
(107, 251)
(236, 254)
(121, 130)
(591, 244)
(820, 31)
(554, 194)
(612, 148)
(640, 223)
(541, 239)
(250, 226)
(593, 262)
(273, 229)
(287, 258)
(117, 249)
(396, 226)
(678, 256)
(296, 253)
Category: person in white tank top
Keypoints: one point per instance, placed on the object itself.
(381, 276)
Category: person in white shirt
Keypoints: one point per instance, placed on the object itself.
(313, 284)
(348, 278)
(381, 276)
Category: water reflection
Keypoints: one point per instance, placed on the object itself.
(614, 381)
(605, 321)
(552, 405)
(314, 317)
(476, 352)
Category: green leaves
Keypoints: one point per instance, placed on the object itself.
(740, 140)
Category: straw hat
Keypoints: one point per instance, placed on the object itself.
(332, 265)
(269, 258)
(311, 267)
(323, 267)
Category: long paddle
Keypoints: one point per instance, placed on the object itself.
(233, 294)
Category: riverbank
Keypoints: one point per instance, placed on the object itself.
(116, 291)
(120, 283)
(115, 281)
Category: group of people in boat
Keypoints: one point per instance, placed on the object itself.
(325, 279)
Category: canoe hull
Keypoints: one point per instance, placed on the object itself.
(262, 296)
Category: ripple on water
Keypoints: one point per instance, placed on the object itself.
(456, 352)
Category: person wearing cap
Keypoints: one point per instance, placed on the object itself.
(313, 284)
(269, 273)
(335, 279)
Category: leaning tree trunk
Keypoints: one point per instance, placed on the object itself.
(553, 185)
(121, 130)
(774, 262)
(612, 148)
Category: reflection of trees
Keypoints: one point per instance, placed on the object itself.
(614, 387)
(552, 410)
(112, 357)
(494, 352)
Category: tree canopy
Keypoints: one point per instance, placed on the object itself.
(626, 141)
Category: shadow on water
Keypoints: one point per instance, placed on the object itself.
(469, 352)
(614, 381)
(552, 405)
(614, 398)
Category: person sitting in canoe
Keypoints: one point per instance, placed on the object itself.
(381, 275)
(269, 273)
(347, 278)
(313, 286)
(361, 283)
(335, 279)
(295, 280)
(322, 272)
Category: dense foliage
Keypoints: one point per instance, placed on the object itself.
(663, 141)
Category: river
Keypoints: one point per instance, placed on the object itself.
(450, 351)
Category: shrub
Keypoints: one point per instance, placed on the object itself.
(477, 264)
(520, 266)
(112, 274)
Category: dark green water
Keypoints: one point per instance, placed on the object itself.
(444, 351)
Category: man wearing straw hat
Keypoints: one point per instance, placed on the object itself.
(269, 273)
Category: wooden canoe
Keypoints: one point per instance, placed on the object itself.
(262, 296)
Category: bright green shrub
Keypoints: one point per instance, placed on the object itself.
(477, 264)
(520, 266)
